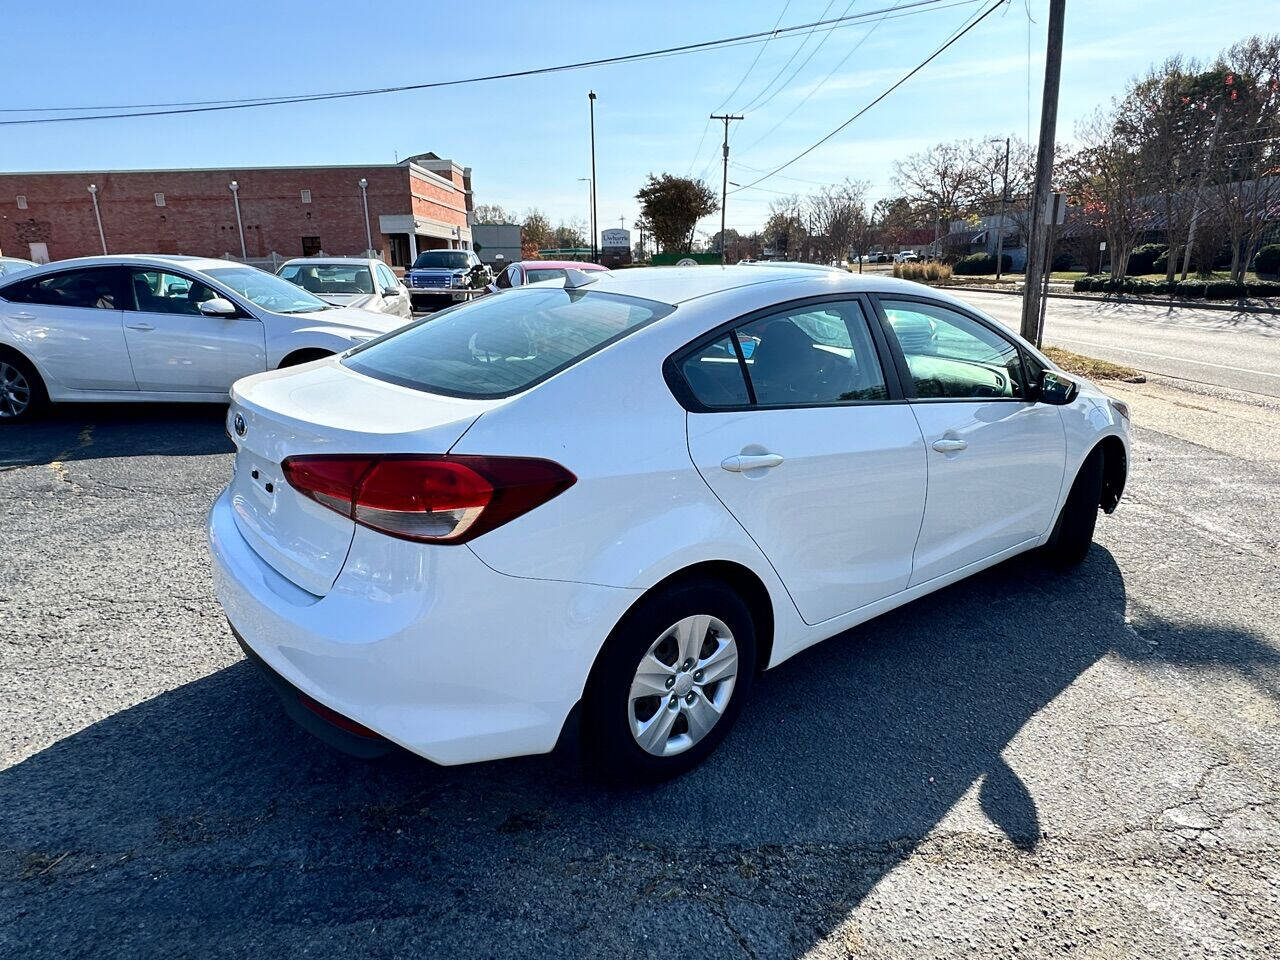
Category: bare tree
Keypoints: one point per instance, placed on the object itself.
(785, 230)
(834, 212)
(943, 180)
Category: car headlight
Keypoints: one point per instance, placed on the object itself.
(1120, 407)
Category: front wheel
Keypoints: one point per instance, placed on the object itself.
(669, 683)
(1073, 533)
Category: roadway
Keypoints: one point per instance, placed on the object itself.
(1228, 349)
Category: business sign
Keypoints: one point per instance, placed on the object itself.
(616, 238)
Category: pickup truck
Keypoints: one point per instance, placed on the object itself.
(440, 277)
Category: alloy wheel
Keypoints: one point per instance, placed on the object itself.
(682, 685)
(15, 391)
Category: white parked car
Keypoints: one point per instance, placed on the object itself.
(12, 265)
(905, 256)
(157, 328)
(350, 282)
(614, 503)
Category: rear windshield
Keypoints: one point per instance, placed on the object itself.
(503, 344)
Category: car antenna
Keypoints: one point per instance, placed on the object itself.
(575, 278)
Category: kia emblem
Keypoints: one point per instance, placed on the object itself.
(239, 425)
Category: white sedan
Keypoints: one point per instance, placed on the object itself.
(170, 328)
(350, 282)
(613, 504)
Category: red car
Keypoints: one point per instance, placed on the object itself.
(532, 271)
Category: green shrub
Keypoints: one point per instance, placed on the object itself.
(1268, 259)
(1224, 290)
(980, 263)
(1083, 284)
(1193, 289)
(1263, 288)
(1143, 258)
(1161, 263)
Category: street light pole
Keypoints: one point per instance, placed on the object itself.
(234, 186)
(93, 194)
(368, 232)
(724, 180)
(591, 211)
(1037, 239)
(591, 99)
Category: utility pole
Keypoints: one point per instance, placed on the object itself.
(591, 99)
(724, 181)
(1037, 241)
(1004, 204)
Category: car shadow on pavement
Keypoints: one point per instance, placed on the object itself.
(202, 823)
(85, 431)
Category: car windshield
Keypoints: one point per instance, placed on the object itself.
(329, 278)
(501, 345)
(266, 290)
(448, 259)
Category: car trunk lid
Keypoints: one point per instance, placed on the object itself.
(322, 408)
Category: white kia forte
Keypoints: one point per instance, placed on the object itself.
(166, 328)
(613, 504)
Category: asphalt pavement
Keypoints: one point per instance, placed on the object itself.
(1029, 762)
(1234, 349)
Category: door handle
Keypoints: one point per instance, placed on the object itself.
(744, 462)
(950, 445)
(140, 326)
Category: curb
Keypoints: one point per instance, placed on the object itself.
(1147, 301)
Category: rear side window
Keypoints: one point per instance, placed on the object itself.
(96, 287)
(816, 354)
(501, 345)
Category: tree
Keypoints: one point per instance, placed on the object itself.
(895, 218)
(571, 234)
(672, 206)
(785, 230)
(491, 213)
(834, 213)
(942, 180)
(535, 233)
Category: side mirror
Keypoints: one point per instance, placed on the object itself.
(218, 307)
(1057, 389)
(391, 291)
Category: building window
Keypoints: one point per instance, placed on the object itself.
(159, 199)
(310, 246)
(306, 196)
(22, 202)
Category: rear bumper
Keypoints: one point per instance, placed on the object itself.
(423, 645)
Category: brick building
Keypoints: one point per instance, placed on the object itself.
(421, 203)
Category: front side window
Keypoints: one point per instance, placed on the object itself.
(499, 346)
(504, 279)
(94, 288)
(952, 356)
(268, 291)
(155, 291)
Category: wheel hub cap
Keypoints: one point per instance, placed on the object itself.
(682, 685)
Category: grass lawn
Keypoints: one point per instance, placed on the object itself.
(1091, 368)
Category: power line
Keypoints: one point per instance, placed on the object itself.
(905, 77)
(790, 59)
(794, 73)
(196, 106)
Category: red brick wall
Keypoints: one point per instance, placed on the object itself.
(199, 216)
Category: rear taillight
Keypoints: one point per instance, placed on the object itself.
(430, 498)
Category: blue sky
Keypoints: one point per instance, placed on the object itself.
(526, 139)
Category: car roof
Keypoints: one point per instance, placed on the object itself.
(675, 285)
(134, 259)
(560, 265)
(322, 260)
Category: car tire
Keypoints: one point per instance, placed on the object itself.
(658, 629)
(22, 392)
(1073, 533)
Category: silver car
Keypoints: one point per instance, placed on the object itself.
(350, 282)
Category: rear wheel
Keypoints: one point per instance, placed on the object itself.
(22, 394)
(1073, 533)
(669, 683)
